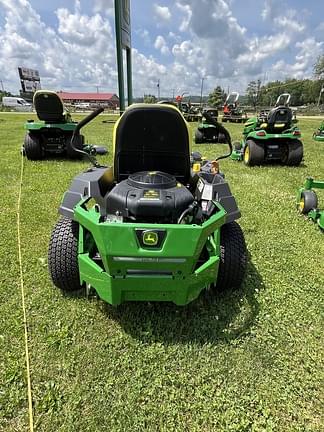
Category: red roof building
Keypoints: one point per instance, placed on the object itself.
(104, 99)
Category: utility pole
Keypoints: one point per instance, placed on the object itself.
(2, 86)
(97, 87)
(201, 90)
(158, 89)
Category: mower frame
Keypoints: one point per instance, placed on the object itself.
(307, 201)
(122, 260)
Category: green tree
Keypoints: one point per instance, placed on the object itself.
(253, 91)
(217, 97)
(148, 98)
(319, 67)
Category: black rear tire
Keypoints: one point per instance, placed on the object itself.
(33, 148)
(199, 137)
(307, 202)
(233, 257)
(294, 154)
(63, 255)
(253, 153)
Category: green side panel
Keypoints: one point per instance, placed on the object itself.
(236, 155)
(320, 220)
(131, 272)
(34, 126)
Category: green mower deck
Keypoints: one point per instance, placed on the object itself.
(307, 201)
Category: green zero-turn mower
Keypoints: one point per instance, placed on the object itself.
(160, 225)
(209, 130)
(318, 135)
(307, 202)
(273, 137)
(52, 134)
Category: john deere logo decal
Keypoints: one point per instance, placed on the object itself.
(150, 238)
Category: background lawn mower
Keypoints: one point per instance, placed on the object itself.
(209, 130)
(52, 134)
(231, 111)
(318, 135)
(271, 137)
(307, 201)
(157, 226)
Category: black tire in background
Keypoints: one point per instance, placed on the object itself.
(308, 201)
(32, 146)
(294, 154)
(255, 153)
(221, 138)
(63, 255)
(233, 257)
(199, 137)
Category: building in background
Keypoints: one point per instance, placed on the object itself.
(90, 100)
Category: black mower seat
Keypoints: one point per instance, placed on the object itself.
(279, 118)
(152, 137)
(49, 107)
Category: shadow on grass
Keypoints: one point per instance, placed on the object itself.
(212, 318)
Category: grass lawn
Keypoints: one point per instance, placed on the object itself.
(249, 360)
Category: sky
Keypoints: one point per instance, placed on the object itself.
(180, 44)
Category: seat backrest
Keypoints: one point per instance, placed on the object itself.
(152, 137)
(280, 116)
(49, 106)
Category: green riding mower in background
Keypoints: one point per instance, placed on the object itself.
(209, 130)
(52, 134)
(318, 135)
(159, 225)
(271, 137)
(307, 202)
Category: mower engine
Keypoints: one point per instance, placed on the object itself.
(149, 196)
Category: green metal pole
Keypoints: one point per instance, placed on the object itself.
(119, 56)
(129, 76)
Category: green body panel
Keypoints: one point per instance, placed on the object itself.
(251, 129)
(35, 126)
(316, 215)
(236, 155)
(135, 273)
(288, 134)
(205, 126)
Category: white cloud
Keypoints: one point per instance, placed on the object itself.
(161, 45)
(309, 50)
(162, 12)
(201, 39)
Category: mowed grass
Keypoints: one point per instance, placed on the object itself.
(249, 360)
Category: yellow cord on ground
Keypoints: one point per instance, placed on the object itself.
(29, 391)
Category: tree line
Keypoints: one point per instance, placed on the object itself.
(302, 91)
